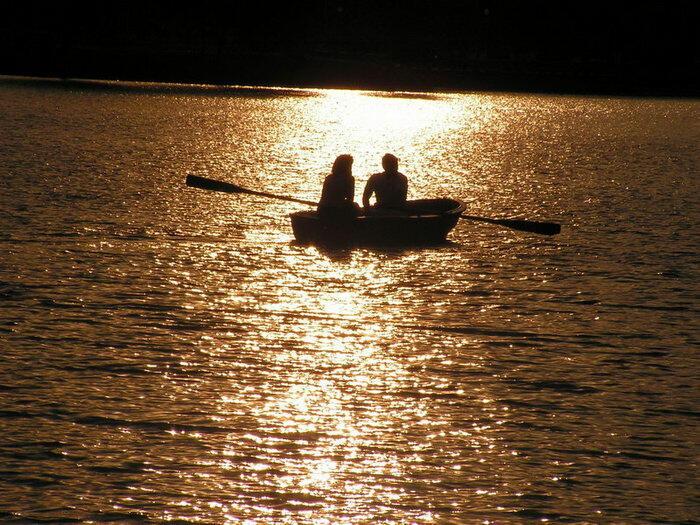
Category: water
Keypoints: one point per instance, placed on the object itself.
(170, 354)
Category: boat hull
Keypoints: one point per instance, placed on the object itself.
(423, 222)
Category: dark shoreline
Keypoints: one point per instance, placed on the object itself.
(540, 46)
(321, 72)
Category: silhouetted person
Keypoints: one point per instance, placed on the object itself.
(390, 186)
(338, 194)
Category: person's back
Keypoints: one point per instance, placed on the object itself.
(337, 191)
(338, 194)
(389, 187)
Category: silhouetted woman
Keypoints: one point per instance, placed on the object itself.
(338, 195)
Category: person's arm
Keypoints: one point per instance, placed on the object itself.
(369, 189)
(350, 196)
(404, 188)
(324, 192)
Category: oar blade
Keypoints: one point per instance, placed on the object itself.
(195, 181)
(543, 228)
(204, 183)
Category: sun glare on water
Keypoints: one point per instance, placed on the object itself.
(369, 124)
(365, 124)
(332, 388)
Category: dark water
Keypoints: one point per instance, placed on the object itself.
(170, 354)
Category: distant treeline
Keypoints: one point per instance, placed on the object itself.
(604, 46)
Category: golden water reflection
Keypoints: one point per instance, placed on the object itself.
(367, 125)
(329, 378)
(170, 354)
(341, 420)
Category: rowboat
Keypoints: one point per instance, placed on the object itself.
(420, 222)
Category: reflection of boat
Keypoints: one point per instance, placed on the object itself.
(424, 221)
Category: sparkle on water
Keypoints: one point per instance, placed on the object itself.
(170, 353)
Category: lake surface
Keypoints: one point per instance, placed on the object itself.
(171, 354)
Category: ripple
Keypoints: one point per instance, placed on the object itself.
(172, 354)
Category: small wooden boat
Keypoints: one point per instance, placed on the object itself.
(423, 221)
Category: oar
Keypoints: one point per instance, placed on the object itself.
(217, 185)
(543, 228)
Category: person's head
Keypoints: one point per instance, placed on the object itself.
(390, 163)
(342, 165)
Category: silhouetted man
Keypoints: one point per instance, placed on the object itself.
(390, 187)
